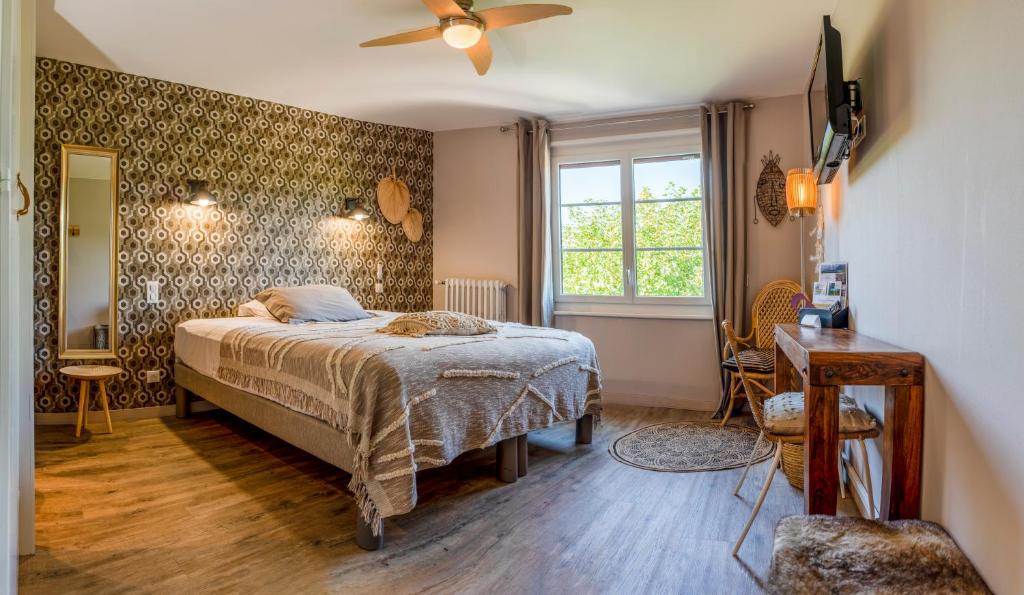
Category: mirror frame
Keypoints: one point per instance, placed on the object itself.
(62, 350)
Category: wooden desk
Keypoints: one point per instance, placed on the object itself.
(826, 359)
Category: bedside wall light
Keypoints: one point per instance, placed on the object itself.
(199, 194)
(352, 208)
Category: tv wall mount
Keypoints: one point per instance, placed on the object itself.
(858, 120)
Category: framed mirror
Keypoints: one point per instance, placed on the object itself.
(87, 320)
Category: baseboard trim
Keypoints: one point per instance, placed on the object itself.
(659, 401)
(95, 417)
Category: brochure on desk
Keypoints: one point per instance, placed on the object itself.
(832, 287)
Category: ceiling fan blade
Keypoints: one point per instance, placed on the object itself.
(424, 34)
(480, 54)
(443, 9)
(505, 16)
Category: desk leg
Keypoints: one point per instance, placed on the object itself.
(821, 449)
(903, 434)
(783, 372)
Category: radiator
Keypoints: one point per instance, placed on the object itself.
(483, 298)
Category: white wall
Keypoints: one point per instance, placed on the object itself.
(670, 363)
(653, 362)
(928, 215)
(774, 252)
(475, 207)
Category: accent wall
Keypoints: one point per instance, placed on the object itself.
(279, 174)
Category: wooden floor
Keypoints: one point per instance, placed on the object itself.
(212, 504)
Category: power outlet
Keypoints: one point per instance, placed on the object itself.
(152, 376)
(152, 292)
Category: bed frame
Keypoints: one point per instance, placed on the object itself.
(323, 441)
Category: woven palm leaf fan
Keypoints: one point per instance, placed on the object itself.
(393, 198)
(464, 29)
(413, 225)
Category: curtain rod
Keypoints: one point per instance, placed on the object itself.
(570, 126)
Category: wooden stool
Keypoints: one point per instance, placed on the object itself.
(85, 374)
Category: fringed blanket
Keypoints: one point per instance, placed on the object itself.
(409, 403)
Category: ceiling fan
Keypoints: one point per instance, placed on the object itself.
(462, 28)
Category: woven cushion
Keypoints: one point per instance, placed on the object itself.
(784, 415)
(757, 361)
(438, 322)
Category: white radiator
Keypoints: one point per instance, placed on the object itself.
(483, 298)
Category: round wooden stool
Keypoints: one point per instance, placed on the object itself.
(86, 374)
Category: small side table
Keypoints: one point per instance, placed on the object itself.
(86, 374)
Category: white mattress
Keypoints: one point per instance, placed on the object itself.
(197, 342)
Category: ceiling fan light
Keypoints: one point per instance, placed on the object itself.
(461, 32)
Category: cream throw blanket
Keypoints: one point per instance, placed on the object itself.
(408, 403)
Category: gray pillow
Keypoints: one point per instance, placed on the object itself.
(312, 303)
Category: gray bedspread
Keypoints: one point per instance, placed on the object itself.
(409, 403)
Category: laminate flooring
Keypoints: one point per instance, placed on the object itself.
(213, 504)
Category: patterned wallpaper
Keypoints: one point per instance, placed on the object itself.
(278, 172)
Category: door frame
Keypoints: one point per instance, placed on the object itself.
(17, 432)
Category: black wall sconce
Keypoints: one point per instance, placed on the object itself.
(352, 208)
(199, 193)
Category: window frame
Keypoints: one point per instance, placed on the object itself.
(625, 150)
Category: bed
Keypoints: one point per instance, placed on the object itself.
(382, 407)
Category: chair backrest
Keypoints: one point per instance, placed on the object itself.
(755, 396)
(772, 305)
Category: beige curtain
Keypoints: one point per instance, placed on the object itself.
(724, 159)
(535, 295)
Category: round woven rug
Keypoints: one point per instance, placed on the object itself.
(684, 446)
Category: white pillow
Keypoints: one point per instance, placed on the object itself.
(311, 303)
(255, 308)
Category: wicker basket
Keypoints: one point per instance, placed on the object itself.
(793, 464)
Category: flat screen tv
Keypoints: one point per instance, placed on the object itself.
(828, 105)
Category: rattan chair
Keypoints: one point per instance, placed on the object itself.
(781, 420)
(772, 305)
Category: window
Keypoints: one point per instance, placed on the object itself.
(629, 228)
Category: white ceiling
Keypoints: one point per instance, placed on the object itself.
(609, 57)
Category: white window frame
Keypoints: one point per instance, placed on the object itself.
(624, 149)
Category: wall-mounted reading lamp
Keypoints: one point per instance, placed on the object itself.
(199, 193)
(352, 208)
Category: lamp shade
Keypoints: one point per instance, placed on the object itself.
(461, 32)
(199, 194)
(801, 192)
(352, 208)
(358, 214)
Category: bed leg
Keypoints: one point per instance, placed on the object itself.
(365, 537)
(522, 457)
(508, 466)
(585, 429)
(181, 402)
